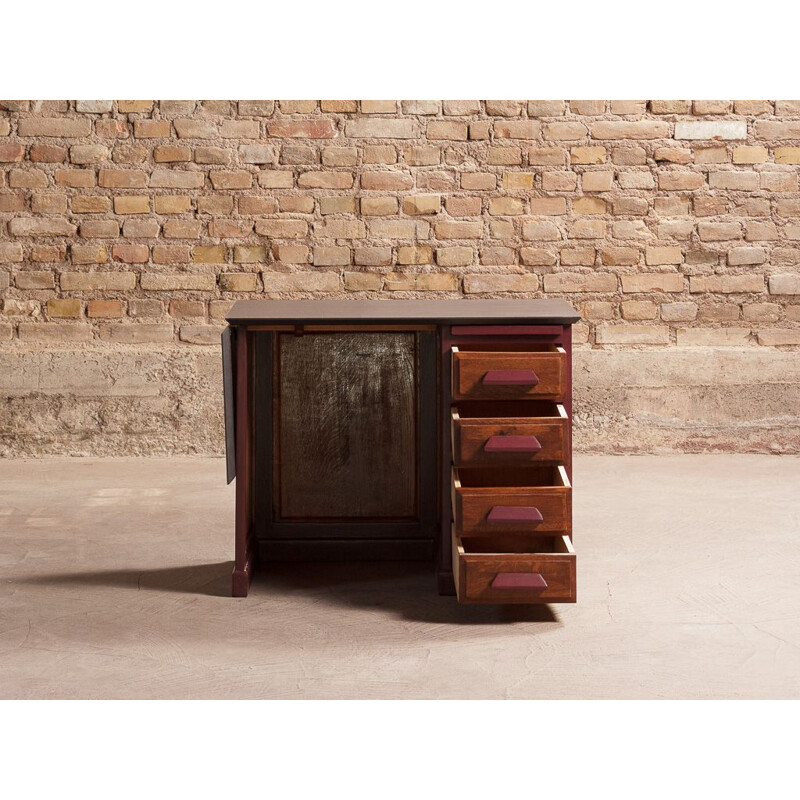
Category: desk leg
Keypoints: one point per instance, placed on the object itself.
(243, 562)
(444, 555)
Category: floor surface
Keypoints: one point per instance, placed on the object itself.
(114, 576)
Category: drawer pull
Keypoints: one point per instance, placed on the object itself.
(512, 444)
(519, 580)
(514, 514)
(510, 377)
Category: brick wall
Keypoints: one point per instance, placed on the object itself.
(127, 228)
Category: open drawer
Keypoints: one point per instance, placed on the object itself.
(509, 434)
(540, 570)
(493, 501)
(537, 372)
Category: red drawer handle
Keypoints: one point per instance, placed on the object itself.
(512, 444)
(514, 514)
(510, 377)
(519, 580)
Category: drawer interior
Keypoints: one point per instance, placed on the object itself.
(525, 544)
(507, 347)
(533, 476)
(481, 409)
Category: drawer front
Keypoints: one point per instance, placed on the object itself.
(483, 511)
(509, 376)
(479, 442)
(515, 577)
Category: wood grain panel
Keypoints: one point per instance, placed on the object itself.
(345, 427)
(470, 371)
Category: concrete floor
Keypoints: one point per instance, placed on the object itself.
(113, 576)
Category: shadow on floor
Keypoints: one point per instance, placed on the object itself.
(205, 579)
(404, 588)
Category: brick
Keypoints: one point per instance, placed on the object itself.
(580, 282)
(422, 204)
(338, 205)
(182, 179)
(302, 129)
(412, 255)
(34, 279)
(454, 256)
(362, 281)
(378, 206)
(339, 106)
(182, 229)
(589, 205)
(451, 229)
(179, 281)
(548, 206)
(48, 253)
(291, 253)
(447, 130)
(111, 129)
(137, 333)
(296, 205)
(340, 156)
(713, 337)
(131, 253)
(518, 181)
(490, 284)
(47, 153)
(761, 312)
(537, 257)
(399, 229)
(702, 107)
(547, 156)
(380, 154)
(777, 337)
(332, 228)
(172, 204)
(498, 256)
(726, 284)
(247, 204)
(372, 256)
(171, 254)
(59, 128)
(750, 155)
(711, 155)
(632, 334)
(619, 257)
(27, 179)
(223, 179)
(172, 153)
(48, 203)
(11, 202)
(459, 108)
(743, 256)
(656, 256)
(559, 181)
(503, 108)
(249, 254)
(670, 106)
(277, 282)
(628, 107)
(564, 131)
(386, 181)
(719, 231)
(195, 129)
(282, 229)
(132, 205)
(88, 153)
(644, 129)
(587, 229)
(711, 130)
(152, 129)
(638, 310)
(105, 309)
(788, 283)
(88, 254)
(630, 156)
(516, 129)
(331, 256)
(210, 254)
(135, 106)
(122, 179)
(256, 108)
(378, 106)
(297, 106)
(212, 155)
(588, 155)
(238, 282)
(57, 332)
(382, 129)
(326, 180)
(10, 153)
(787, 155)
(739, 181)
(775, 181)
(587, 107)
(10, 252)
(678, 312)
(636, 180)
(546, 108)
(478, 181)
(69, 308)
(463, 206)
(41, 226)
(187, 308)
(680, 181)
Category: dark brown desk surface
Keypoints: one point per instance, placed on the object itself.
(537, 312)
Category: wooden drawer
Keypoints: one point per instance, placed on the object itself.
(538, 374)
(515, 434)
(542, 573)
(490, 502)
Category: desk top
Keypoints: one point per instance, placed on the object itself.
(536, 312)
